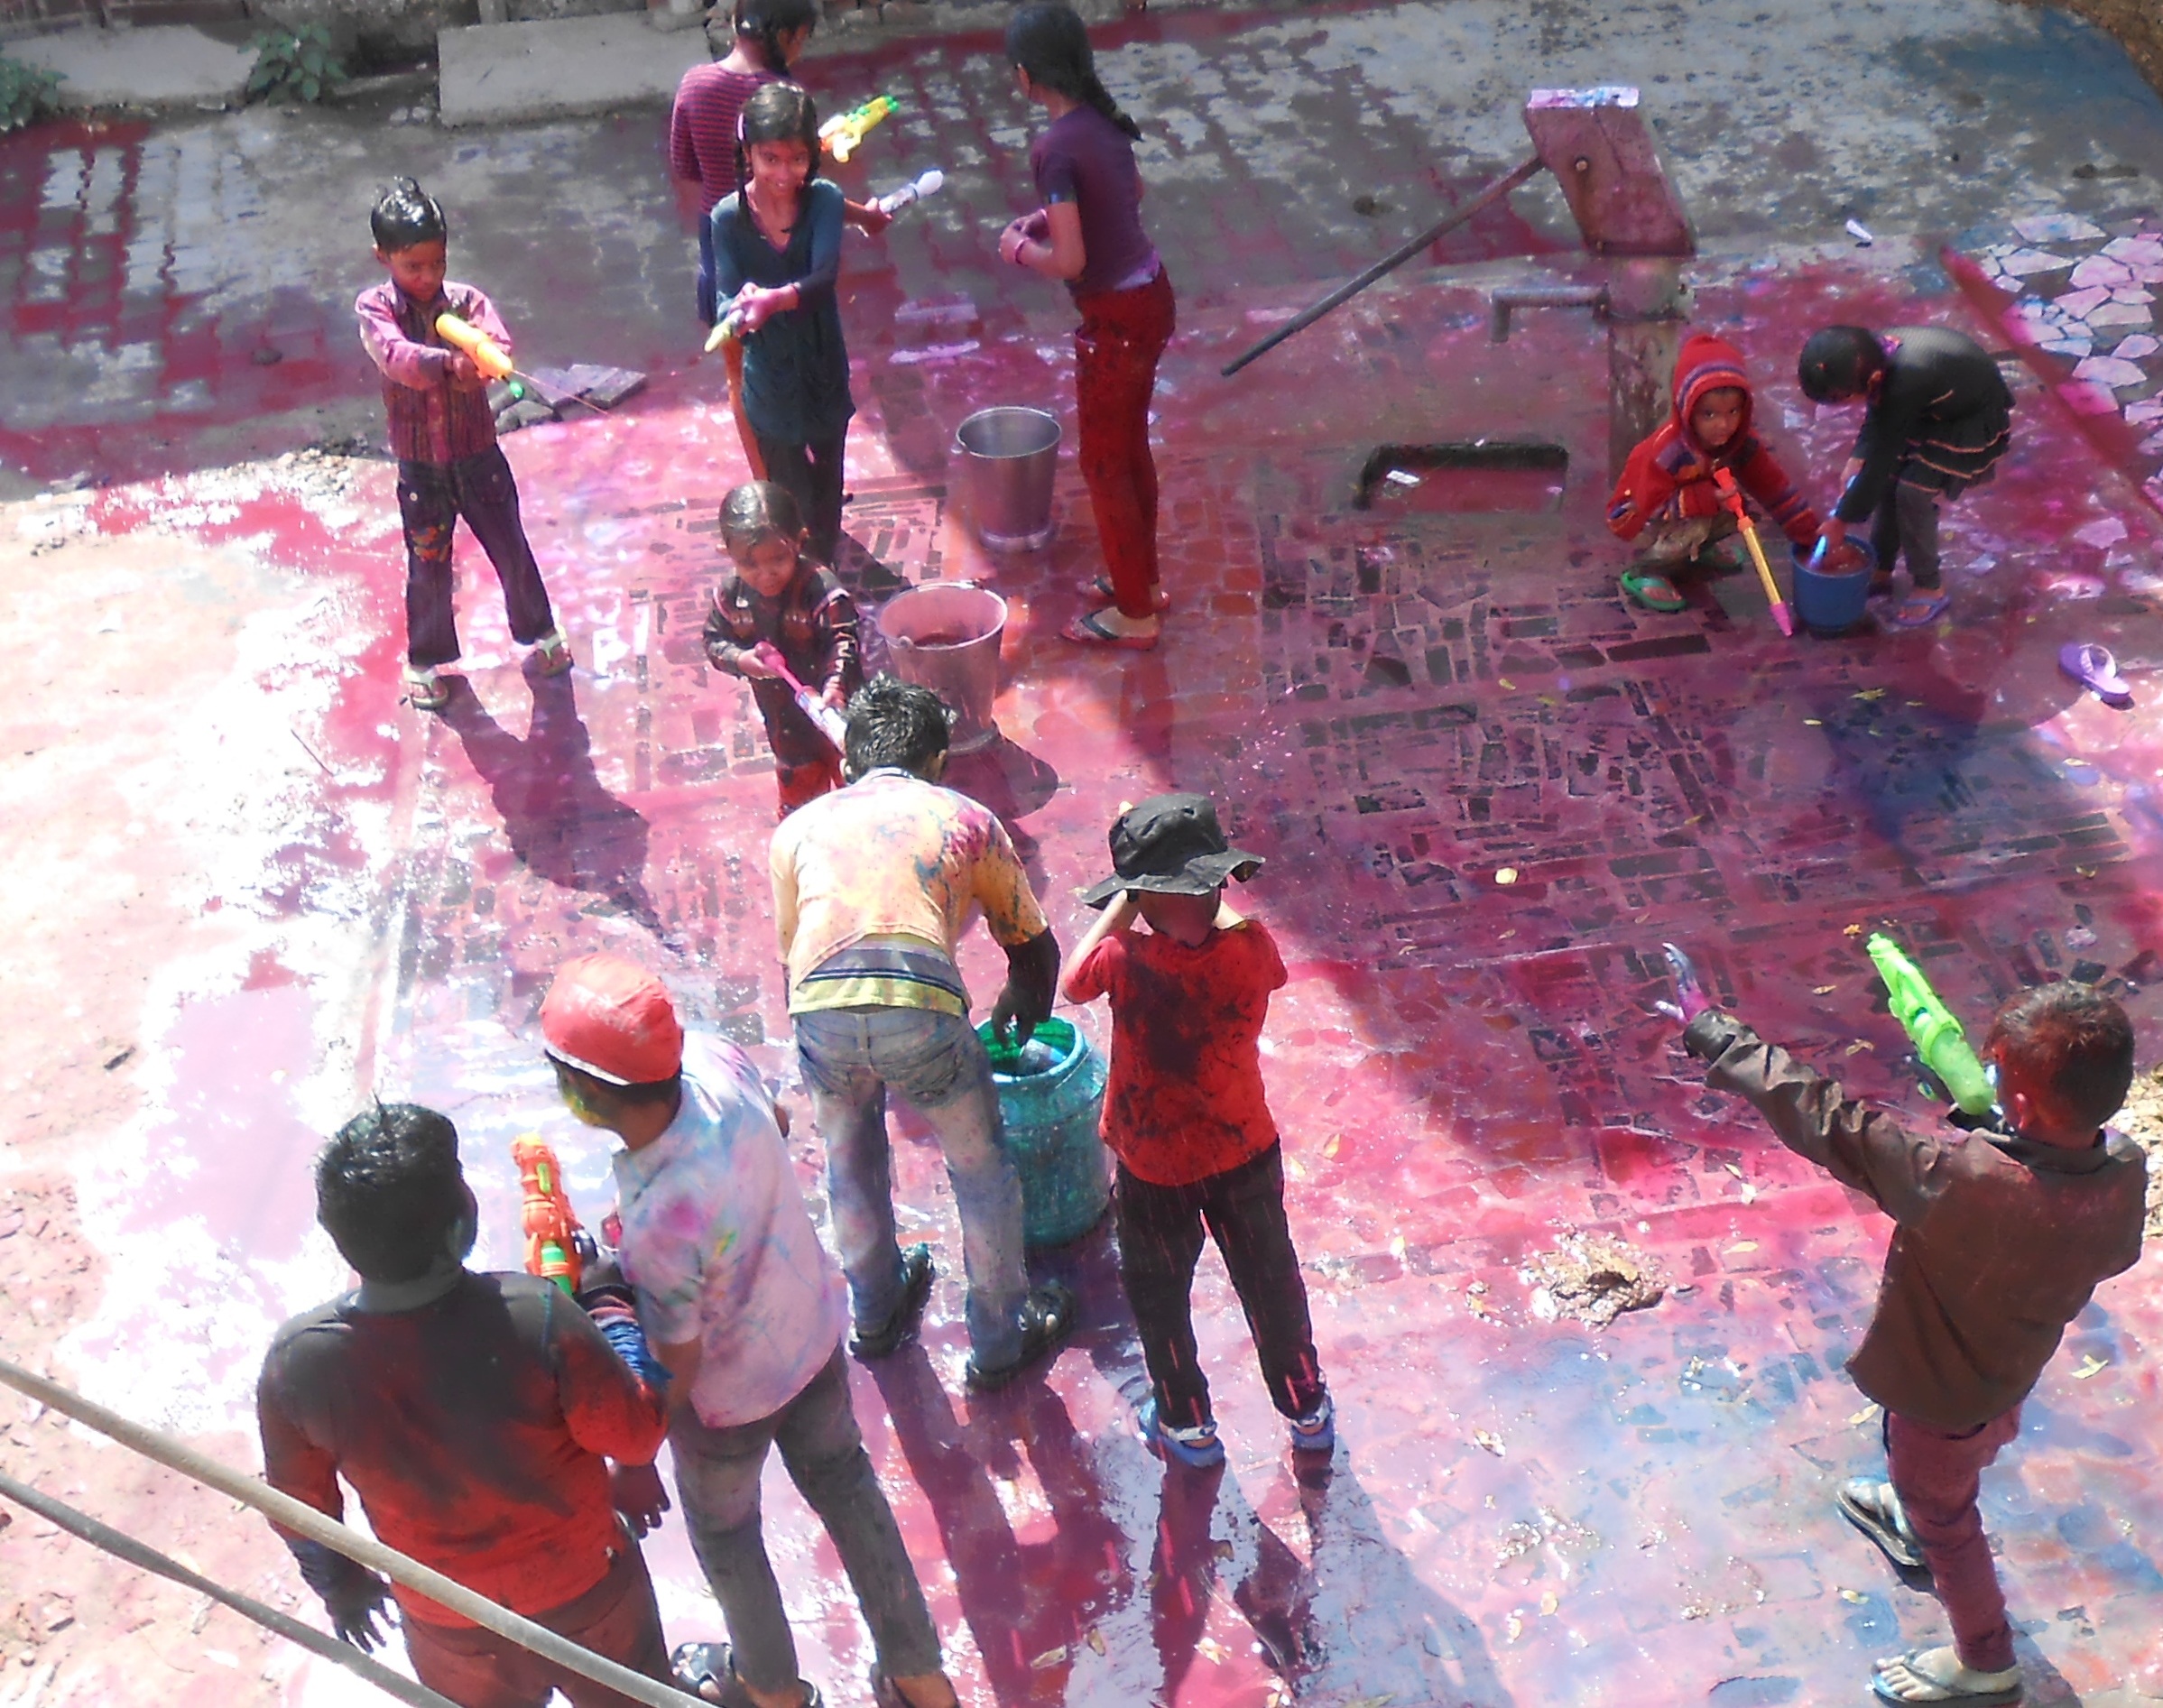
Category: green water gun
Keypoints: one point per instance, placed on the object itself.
(1936, 1036)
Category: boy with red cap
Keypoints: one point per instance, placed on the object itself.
(1186, 1113)
(746, 1311)
(475, 1416)
(1669, 490)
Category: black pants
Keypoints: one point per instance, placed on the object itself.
(1161, 1230)
(431, 497)
(1907, 524)
(812, 475)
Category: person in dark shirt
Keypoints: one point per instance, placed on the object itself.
(475, 1416)
(1088, 233)
(1999, 1240)
(1937, 416)
(777, 253)
(780, 605)
(1186, 1116)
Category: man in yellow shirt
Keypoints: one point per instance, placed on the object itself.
(872, 888)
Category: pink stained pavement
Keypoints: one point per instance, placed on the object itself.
(1397, 708)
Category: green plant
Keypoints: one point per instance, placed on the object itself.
(27, 92)
(294, 65)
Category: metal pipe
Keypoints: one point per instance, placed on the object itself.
(290, 1514)
(122, 1546)
(1508, 296)
(1396, 258)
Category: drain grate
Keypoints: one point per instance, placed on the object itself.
(1479, 475)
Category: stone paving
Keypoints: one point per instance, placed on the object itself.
(1488, 790)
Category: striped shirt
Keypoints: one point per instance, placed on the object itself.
(702, 127)
(432, 420)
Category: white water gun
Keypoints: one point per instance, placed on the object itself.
(893, 201)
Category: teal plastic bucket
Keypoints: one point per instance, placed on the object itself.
(1050, 1098)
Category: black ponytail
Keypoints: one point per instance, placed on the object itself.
(766, 22)
(1050, 42)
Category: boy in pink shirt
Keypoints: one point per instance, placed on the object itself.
(443, 435)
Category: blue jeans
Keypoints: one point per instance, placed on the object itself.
(718, 1474)
(849, 1057)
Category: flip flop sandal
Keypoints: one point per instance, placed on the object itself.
(1100, 587)
(1873, 1509)
(1655, 592)
(1919, 610)
(1089, 631)
(1997, 1695)
(2094, 669)
(697, 1665)
(425, 691)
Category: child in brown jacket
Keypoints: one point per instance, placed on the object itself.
(1999, 1240)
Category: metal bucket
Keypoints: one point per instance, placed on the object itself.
(1050, 1095)
(1010, 454)
(946, 638)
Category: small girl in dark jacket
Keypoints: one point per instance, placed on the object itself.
(780, 610)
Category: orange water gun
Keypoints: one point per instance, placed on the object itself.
(551, 1226)
(490, 357)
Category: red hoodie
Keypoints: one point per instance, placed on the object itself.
(1668, 477)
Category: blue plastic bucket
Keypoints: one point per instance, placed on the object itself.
(1831, 605)
(1050, 1098)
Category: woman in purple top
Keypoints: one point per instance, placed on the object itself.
(1088, 233)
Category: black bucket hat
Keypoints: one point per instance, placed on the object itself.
(1171, 843)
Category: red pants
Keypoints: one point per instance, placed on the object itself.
(1122, 335)
(1937, 1477)
(806, 781)
(615, 1619)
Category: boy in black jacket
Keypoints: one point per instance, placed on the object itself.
(1999, 1240)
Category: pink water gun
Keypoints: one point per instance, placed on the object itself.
(825, 719)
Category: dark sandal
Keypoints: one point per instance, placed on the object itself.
(2003, 1695)
(897, 1330)
(695, 1666)
(1873, 1509)
(1089, 631)
(1100, 587)
(1047, 1319)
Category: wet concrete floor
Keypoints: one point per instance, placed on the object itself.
(1399, 707)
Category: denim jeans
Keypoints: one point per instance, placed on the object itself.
(432, 498)
(849, 1057)
(717, 1475)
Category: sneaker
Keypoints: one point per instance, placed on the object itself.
(1195, 1445)
(425, 691)
(899, 1329)
(551, 654)
(1315, 1432)
(1047, 1319)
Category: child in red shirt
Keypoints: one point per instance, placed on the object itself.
(1187, 1116)
(1667, 493)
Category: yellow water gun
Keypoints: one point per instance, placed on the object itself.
(844, 134)
(486, 353)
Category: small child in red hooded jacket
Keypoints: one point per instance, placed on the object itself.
(1667, 492)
